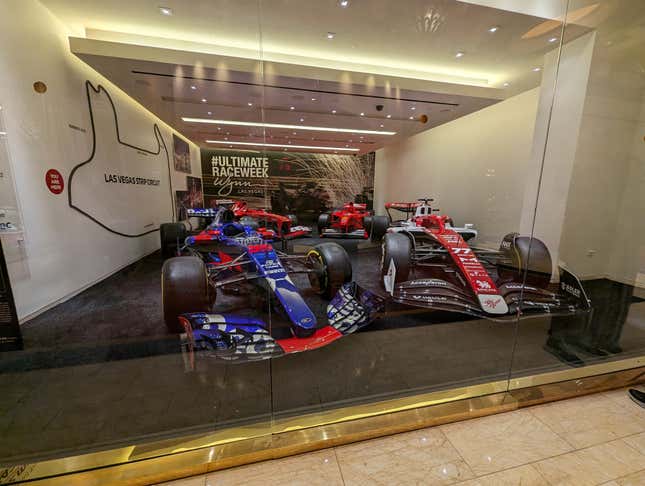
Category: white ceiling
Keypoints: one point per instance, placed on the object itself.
(400, 54)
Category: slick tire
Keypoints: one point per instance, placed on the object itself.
(323, 222)
(171, 235)
(332, 268)
(380, 224)
(523, 253)
(398, 249)
(367, 224)
(184, 289)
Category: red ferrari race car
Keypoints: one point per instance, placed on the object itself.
(283, 227)
(427, 262)
(353, 220)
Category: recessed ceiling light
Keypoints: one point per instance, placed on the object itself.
(536, 69)
(313, 99)
(250, 104)
(413, 108)
(493, 29)
(292, 107)
(257, 144)
(350, 141)
(210, 112)
(165, 11)
(335, 151)
(346, 145)
(302, 119)
(331, 35)
(388, 116)
(411, 118)
(279, 125)
(459, 54)
(225, 138)
(362, 114)
(553, 39)
(507, 84)
(204, 100)
(295, 133)
(193, 87)
(333, 111)
(382, 125)
(344, 3)
(219, 128)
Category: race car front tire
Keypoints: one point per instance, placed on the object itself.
(367, 224)
(323, 222)
(184, 289)
(380, 224)
(525, 253)
(397, 248)
(332, 268)
(171, 235)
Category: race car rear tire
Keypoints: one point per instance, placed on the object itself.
(323, 222)
(184, 289)
(398, 249)
(332, 268)
(250, 222)
(171, 235)
(526, 253)
(293, 218)
(380, 224)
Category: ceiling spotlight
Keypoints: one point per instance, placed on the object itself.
(346, 145)
(203, 100)
(493, 29)
(413, 108)
(331, 35)
(292, 107)
(333, 111)
(388, 116)
(553, 39)
(219, 128)
(459, 54)
(250, 104)
(362, 114)
(210, 112)
(313, 99)
(411, 118)
(382, 125)
(165, 11)
(225, 138)
(507, 84)
(537, 69)
(295, 133)
(193, 87)
(301, 120)
(344, 3)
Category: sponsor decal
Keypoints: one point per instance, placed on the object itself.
(570, 289)
(389, 278)
(54, 181)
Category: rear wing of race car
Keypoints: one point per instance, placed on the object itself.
(408, 208)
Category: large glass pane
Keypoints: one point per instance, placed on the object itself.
(589, 202)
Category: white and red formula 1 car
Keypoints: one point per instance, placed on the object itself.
(427, 262)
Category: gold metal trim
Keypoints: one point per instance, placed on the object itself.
(200, 453)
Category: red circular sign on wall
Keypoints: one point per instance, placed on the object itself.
(54, 181)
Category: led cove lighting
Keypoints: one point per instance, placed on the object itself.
(279, 125)
(278, 145)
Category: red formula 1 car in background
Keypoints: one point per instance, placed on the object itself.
(428, 262)
(283, 227)
(353, 220)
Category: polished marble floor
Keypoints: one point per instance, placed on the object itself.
(592, 440)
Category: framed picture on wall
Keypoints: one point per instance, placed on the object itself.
(195, 192)
(181, 154)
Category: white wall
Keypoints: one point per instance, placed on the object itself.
(63, 250)
(474, 167)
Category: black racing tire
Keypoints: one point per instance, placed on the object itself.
(250, 222)
(332, 268)
(397, 247)
(367, 224)
(293, 218)
(323, 222)
(184, 289)
(526, 253)
(380, 224)
(171, 235)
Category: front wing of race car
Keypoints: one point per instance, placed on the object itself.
(239, 339)
(338, 233)
(521, 299)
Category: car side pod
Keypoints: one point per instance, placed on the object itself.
(242, 339)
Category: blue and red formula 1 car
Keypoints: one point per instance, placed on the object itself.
(229, 254)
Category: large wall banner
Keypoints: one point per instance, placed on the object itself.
(301, 183)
